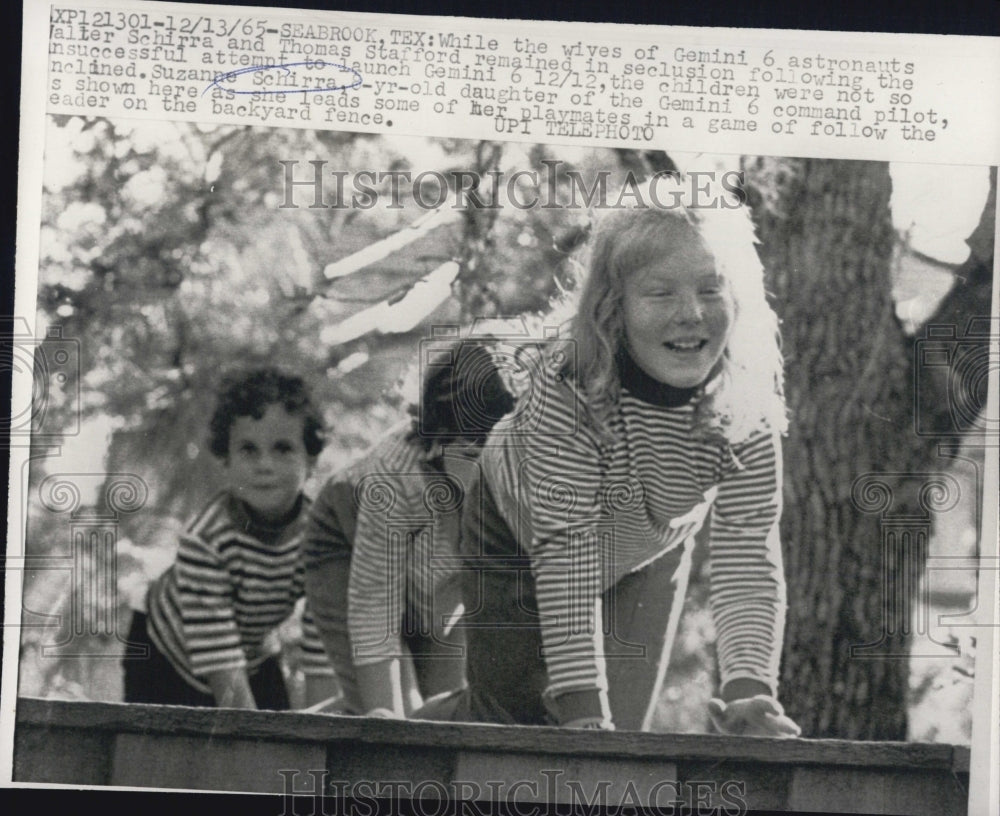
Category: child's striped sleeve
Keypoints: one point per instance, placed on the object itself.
(205, 598)
(313, 654)
(747, 579)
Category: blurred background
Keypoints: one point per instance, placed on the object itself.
(167, 256)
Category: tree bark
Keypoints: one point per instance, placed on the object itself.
(476, 283)
(827, 242)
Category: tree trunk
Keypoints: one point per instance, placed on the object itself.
(827, 244)
(476, 284)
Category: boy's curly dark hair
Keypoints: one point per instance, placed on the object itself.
(250, 392)
(464, 399)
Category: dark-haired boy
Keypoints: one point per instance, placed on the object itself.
(239, 570)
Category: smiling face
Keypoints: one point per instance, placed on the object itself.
(267, 463)
(677, 313)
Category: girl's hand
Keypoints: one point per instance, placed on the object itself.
(758, 716)
(381, 688)
(384, 714)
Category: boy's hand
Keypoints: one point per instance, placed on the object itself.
(231, 688)
(758, 716)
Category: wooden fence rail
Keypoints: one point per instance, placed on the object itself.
(78, 743)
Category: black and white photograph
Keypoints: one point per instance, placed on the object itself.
(376, 466)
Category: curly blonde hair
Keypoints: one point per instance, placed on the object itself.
(746, 392)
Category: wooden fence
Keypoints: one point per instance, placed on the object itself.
(78, 743)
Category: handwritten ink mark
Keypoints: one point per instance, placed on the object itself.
(229, 75)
